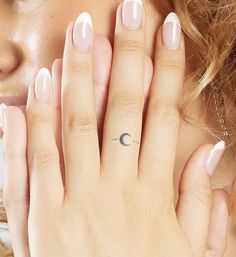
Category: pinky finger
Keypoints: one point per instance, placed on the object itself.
(15, 191)
(217, 233)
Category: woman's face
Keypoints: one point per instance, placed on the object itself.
(32, 36)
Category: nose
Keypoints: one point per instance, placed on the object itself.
(9, 59)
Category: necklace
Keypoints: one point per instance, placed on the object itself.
(220, 111)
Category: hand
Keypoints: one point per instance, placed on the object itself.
(102, 56)
(85, 204)
(18, 196)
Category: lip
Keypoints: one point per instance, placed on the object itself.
(13, 100)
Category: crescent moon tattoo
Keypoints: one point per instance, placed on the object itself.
(122, 139)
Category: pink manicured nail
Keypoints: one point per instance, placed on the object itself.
(132, 14)
(43, 86)
(171, 33)
(83, 32)
(3, 107)
(214, 156)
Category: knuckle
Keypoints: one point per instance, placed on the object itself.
(168, 112)
(129, 45)
(82, 123)
(128, 195)
(161, 195)
(128, 105)
(79, 67)
(202, 194)
(43, 160)
(174, 65)
(39, 118)
(163, 199)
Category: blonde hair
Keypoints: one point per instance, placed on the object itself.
(210, 28)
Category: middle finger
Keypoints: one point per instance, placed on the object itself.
(123, 122)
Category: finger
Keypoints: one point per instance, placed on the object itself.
(56, 83)
(102, 57)
(122, 128)
(16, 188)
(80, 137)
(217, 233)
(102, 68)
(195, 195)
(160, 134)
(102, 52)
(43, 156)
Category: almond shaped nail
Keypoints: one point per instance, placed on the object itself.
(43, 86)
(83, 32)
(214, 156)
(132, 14)
(171, 32)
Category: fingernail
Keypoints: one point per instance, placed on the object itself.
(132, 14)
(43, 86)
(171, 33)
(214, 156)
(3, 107)
(83, 32)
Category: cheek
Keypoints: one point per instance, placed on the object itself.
(40, 45)
(44, 41)
(41, 35)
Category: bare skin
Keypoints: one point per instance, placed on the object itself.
(33, 50)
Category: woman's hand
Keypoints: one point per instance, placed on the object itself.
(102, 57)
(119, 202)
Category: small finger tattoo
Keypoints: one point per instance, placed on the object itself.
(126, 139)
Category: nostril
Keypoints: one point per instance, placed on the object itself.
(8, 63)
(9, 60)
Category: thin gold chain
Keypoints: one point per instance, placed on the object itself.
(220, 111)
